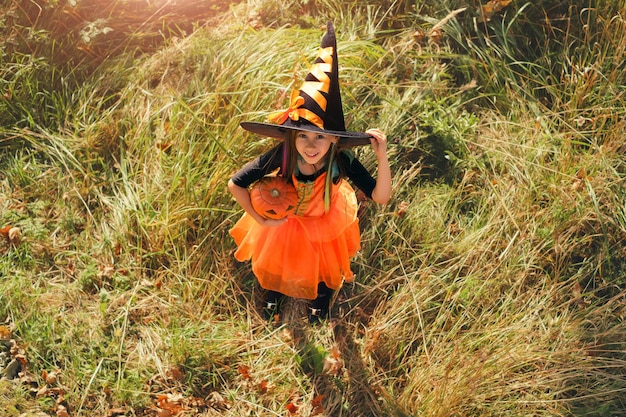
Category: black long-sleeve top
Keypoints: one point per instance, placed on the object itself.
(272, 159)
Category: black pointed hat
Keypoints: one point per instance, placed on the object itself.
(316, 107)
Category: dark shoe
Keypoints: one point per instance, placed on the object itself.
(316, 315)
(318, 310)
(271, 312)
(271, 306)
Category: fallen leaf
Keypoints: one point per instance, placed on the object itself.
(217, 401)
(49, 377)
(5, 332)
(21, 358)
(175, 373)
(62, 411)
(286, 335)
(263, 387)
(292, 408)
(402, 208)
(42, 392)
(435, 36)
(170, 403)
(333, 366)
(244, 371)
(492, 7)
(5, 231)
(419, 36)
(14, 236)
(318, 407)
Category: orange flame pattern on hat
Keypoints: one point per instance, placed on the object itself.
(314, 89)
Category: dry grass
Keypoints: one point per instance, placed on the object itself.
(493, 284)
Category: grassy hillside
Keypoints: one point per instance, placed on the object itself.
(493, 284)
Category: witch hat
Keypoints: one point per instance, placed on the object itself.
(316, 107)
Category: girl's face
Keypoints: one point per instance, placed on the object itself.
(313, 146)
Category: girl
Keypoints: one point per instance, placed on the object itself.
(307, 253)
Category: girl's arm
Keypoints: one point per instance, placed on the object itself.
(242, 195)
(382, 191)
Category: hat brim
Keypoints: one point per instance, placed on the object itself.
(346, 138)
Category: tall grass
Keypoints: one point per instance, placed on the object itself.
(491, 285)
(561, 57)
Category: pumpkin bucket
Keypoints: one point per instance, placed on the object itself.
(273, 197)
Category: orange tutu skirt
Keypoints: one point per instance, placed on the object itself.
(312, 246)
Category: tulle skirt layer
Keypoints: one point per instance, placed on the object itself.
(296, 256)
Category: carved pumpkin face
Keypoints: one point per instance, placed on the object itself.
(273, 197)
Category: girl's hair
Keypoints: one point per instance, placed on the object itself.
(290, 155)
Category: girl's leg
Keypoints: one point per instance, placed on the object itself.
(318, 310)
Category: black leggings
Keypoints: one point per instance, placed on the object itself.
(323, 296)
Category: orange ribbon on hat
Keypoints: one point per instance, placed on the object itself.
(293, 112)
